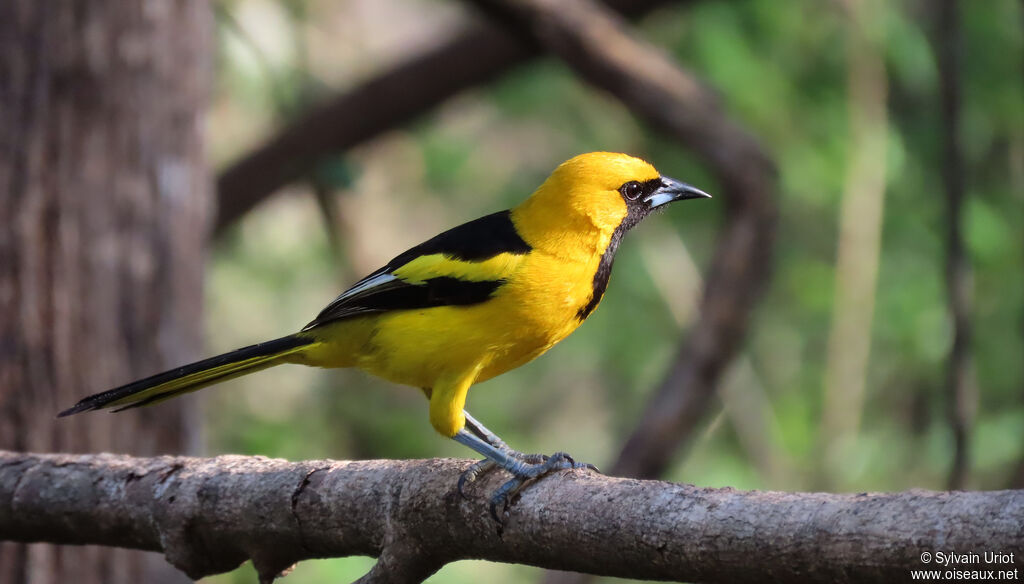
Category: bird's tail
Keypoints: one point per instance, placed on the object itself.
(194, 376)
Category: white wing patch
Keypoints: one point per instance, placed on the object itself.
(366, 284)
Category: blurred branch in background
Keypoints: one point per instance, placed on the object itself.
(472, 57)
(278, 87)
(860, 236)
(209, 515)
(749, 407)
(292, 92)
(961, 388)
(744, 397)
(599, 48)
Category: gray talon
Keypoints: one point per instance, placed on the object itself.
(523, 474)
(522, 467)
(471, 474)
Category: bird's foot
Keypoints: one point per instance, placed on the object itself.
(529, 471)
(482, 467)
(522, 467)
(525, 468)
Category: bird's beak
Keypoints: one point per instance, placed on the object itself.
(673, 190)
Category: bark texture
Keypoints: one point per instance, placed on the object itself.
(209, 515)
(103, 205)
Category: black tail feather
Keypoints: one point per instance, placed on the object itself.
(103, 399)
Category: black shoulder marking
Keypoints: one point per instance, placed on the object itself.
(602, 275)
(441, 291)
(476, 240)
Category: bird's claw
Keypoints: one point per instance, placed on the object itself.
(522, 467)
(471, 474)
(482, 467)
(542, 466)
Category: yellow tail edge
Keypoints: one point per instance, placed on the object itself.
(194, 376)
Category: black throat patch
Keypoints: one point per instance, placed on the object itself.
(637, 209)
(603, 274)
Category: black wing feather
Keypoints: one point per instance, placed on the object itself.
(475, 241)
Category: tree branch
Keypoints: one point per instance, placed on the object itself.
(478, 54)
(209, 515)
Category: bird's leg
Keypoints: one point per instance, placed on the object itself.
(473, 473)
(491, 438)
(481, 467)
(521, 469)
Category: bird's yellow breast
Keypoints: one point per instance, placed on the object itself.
(537, 306)
(538, 273)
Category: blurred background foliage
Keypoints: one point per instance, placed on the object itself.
(782, 70)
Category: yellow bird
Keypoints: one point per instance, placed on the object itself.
(460, 308)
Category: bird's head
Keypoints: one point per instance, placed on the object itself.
(604, 192)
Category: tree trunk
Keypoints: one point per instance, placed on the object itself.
(103, 211)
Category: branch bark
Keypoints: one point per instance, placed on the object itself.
(209, 515)
(596, 44)
(476, 55)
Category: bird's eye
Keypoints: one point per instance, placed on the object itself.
(631, 190)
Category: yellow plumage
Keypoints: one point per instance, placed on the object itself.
(465, 306)
(568, 222)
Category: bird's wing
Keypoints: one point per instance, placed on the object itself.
(462, 266)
